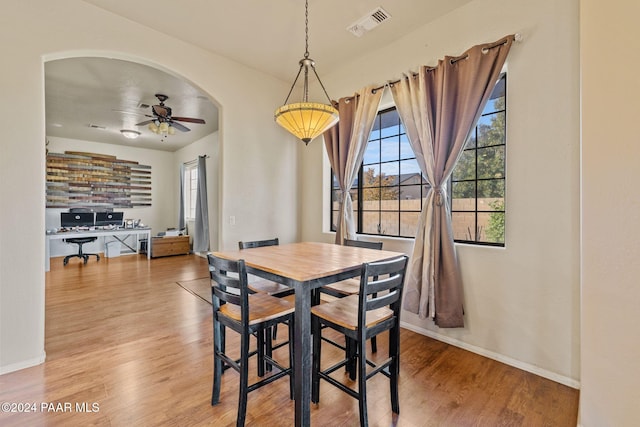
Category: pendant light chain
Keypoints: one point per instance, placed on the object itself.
(305, 90)
(306, 29)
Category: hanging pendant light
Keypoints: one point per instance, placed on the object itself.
(305, 119)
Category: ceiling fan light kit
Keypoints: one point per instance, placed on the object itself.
(305, 119)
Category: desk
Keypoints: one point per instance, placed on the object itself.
(303, 267)
(119, 234)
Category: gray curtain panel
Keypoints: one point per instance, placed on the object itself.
(439, 107)
(345, 143)
(201, 225)
(181, 222)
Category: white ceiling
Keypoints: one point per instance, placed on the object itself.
(267, 35)
(94, 98)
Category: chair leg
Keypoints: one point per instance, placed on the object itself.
(222, 340)
(268, 344)
(316, 330)
(261, 350)
(291, 360)
(362, 381)
(244, 378)
(394, 368)
(374, 341)
(350, 353)
(218, 347)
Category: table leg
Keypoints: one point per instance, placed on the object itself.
(149, 244)
(302, 355)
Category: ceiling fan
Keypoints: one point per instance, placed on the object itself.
(162, 121)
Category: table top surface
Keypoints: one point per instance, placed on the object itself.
(307, 260)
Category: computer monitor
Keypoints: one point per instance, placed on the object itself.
(109, 219)
(76, 219)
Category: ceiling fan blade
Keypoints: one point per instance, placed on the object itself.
(179, 126)
(146, 122)
(188, 119)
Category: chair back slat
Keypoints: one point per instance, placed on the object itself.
(377, 292)
(363, 244)
(258, 243)
(381, 284)
(382, 300)
(225, 288)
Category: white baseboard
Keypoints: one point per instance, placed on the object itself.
(23, 365)
(569, 382)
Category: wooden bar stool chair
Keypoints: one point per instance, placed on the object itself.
(350, 287)
(237, 309)
(360, 317)
(267, 286)
(270, 288)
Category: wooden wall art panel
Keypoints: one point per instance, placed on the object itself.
(78, 179)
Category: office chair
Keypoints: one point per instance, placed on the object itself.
(80, 241)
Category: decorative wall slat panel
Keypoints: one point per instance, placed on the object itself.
(76, 179)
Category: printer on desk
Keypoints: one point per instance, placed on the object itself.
(172, 232)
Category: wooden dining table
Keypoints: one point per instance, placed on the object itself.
(304, 267)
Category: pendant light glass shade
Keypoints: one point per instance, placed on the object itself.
(305, 119)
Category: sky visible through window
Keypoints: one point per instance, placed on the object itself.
(388, 143)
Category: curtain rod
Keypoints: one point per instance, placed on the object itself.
(516, 37)
(206, 156)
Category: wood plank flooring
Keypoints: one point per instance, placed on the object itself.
(128, 346)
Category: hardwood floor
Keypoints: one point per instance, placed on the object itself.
(127, 345)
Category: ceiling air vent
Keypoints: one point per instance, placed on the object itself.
(92, 126)
(369, 22)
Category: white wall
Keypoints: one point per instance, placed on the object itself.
(521, 301)
(206, 146)
(610, 58)
(251, 145)
(159, 216)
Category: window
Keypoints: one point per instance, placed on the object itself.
(190, 190)
(389, 191)
(392, 188)
(478, 181)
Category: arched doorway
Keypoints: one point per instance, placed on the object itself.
(91, 100)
